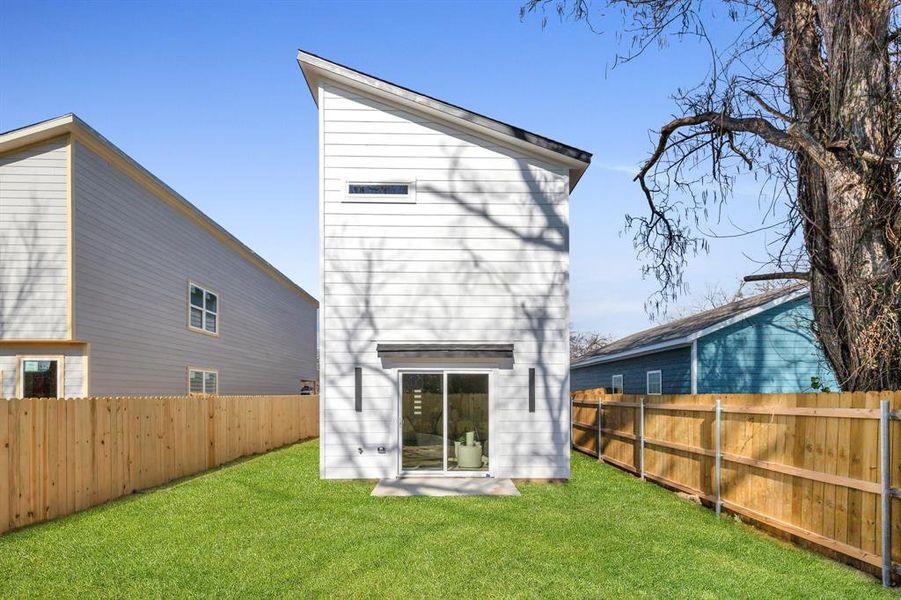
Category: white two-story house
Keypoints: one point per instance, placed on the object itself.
(445, 294)
(113, 284)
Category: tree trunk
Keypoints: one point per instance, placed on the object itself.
(848, 205)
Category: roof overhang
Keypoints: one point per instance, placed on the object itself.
(315, 69)
(71, 125)
(688, 340)
(444, 351)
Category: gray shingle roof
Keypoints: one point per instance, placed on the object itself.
(682, 328)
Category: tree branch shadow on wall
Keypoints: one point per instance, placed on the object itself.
(545, 229)
(526, 211)
(22, 260)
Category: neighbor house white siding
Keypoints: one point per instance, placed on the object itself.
(134, 256)
(481, 256)
(74, 359)
(34, 275)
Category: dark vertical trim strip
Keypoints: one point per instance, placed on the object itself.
(358, 389)
(531, 390)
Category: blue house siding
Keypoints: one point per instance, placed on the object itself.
(772, 352)
(674, 365)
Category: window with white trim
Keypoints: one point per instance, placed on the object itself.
(380, 191)
(655, 383)
(40, 377)
(203, 382)
(203, 309)
(616, 386)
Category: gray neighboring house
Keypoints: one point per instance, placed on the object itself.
(113, 284)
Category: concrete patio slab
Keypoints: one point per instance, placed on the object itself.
(445, 486)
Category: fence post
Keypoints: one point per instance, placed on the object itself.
(885, 474)
(600, 424)
(641, 437)
(718, 462)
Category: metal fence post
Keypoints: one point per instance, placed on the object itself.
(641, 437)
(718, 463)
(885, 475)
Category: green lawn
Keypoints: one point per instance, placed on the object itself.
(269, 527)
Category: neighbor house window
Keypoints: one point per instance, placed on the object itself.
(655, 383)
(40, 378)
(616, 386)
(386, 191)
(203, 382)
(203, 309)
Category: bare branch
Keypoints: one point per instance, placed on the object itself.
(722, 123)
(738, 151)
(767, 107)
(802, 275)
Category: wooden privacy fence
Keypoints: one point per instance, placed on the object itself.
(822, 468)
(59, 456)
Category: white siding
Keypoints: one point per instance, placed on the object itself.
(74, 366)
(134, 255)
(482, 256)
(34, 274)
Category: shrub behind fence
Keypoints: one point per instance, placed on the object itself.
(807, 465)
(59, 456)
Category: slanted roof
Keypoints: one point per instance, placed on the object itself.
(682, 332)
(70, 124)
(315, 68)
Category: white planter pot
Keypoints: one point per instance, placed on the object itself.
(469, 457)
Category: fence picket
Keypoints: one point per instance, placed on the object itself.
(5, 471)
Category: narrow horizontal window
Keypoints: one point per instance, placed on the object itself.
(203, 309)
(380, 191)
(370, 189)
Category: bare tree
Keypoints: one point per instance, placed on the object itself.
(804, 94)
(584, 343)
(713, 296)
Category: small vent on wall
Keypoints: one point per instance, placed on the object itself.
(358, 389)
(531, 390)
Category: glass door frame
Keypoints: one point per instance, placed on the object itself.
(444, 472)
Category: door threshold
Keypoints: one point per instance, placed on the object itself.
(445, 486)
(442, 475)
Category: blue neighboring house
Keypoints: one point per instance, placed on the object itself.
(761, 344)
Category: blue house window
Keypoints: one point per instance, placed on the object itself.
(616, 386)
(655, 383)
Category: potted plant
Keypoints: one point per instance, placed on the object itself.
(468, 451)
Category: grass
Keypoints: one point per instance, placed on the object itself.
(269, 527)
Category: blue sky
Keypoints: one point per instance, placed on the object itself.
(208, 96)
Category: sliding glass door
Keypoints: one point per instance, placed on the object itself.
(444, 416)
(467, 421)
(422, 399)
